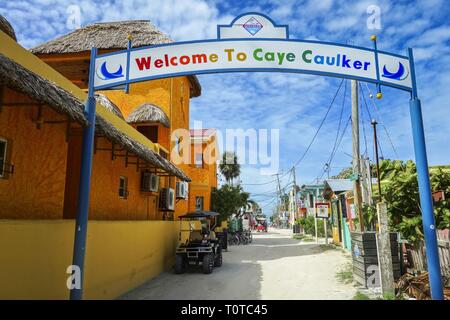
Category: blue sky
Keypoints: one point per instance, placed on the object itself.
(293, 103)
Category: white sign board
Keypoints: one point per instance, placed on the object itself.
(322, 210)
(251, 43)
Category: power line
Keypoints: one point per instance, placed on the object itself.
(312, 140)
(339, 127)
(382, 122)
(320, 126)
(337, 146)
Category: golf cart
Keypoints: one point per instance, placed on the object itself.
(198, 242)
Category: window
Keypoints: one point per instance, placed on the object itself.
(199, 160)
(151, 132)
(199, 203)
(311, 201)
(146, 181)
(3, 146)
(123, 187)
(178, 146)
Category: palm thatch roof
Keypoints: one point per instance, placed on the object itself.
(149, 112)
(16, 77)
(6, 27)
(108, 104)
(114, 135)
(110, 36)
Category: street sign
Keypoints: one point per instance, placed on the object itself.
(322, 210)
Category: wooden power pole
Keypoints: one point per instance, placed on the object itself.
(356, 155)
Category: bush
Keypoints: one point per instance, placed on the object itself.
(307, 224)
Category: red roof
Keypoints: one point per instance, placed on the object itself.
(202, 132)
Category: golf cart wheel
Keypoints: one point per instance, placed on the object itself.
(208, 263)
(218, 260)
(180, 264)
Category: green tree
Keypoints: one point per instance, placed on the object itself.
(229, 166)
(227, 200)
(401, 193)
(344, 174)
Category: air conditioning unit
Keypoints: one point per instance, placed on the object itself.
(149, 182)
(181, 190)
(167, 199)
(154, 183)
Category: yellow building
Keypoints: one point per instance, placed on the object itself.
(203, 170)
(41, 118)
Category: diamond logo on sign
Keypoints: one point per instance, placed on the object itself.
(252, 26)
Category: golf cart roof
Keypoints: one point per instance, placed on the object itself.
(199, 214)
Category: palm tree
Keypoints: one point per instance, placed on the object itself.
(229, 166)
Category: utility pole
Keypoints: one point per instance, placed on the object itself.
(375, 142)
(383, 241)
(356, 154)
(278, 195)
(366, 181)
(369, 181)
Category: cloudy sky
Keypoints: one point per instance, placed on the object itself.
(294, 104)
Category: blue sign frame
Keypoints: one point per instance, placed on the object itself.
(378, 82)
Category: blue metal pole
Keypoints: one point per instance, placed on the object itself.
(79, 249)
(129, 46)
(429, 228)
(377, 69)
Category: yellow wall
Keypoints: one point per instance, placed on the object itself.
(120, 256)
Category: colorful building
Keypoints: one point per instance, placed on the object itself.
(203, 170)
(132, 234)
(155, 108)
(309, 195)
(336, 192)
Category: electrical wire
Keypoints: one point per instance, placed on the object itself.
(311, 142)
(382, 122)
(320, 126)
(363, 125)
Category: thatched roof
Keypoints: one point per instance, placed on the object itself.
(149, 112)
(111, 133)
(110, 36)
(16, 77)
(6, 27)
(108, 104)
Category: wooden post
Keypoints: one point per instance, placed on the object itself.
(384, 251)
(315, 224)
(325, 228)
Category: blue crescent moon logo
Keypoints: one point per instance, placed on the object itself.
(401, 73)
(104, 74)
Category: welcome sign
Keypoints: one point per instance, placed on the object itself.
(252, 42)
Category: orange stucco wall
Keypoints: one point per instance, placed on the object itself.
(105, 201)
(36, 188)
(163, 93)
(41, 166)
(203, 179)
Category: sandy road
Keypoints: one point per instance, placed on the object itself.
(274, 266)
